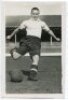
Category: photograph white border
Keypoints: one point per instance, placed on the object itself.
(3, 61)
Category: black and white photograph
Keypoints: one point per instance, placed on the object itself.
(33, 48)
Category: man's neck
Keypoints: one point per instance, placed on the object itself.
(35, 19)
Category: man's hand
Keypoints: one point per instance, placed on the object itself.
(12, 34)
(58, 39)
(8, 37)
(53, 35)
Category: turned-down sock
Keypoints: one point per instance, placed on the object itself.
(34, 67)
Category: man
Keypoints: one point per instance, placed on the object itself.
(32, 42)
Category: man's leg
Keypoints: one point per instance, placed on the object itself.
(34, 68)
(18, 52)
(15, 55)
(35, 61)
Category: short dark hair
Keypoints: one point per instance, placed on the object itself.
(35, 8)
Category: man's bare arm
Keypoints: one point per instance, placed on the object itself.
(46, 28)
(13, 33)
(22, 26)
(53, 35)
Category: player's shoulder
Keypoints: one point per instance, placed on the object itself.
(42, 22)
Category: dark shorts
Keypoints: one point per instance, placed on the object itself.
(31, 45)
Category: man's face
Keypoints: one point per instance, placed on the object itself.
(35, 14)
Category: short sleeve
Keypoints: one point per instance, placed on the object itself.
(22, 25)
(45, 26)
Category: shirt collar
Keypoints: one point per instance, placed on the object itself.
(34, 20)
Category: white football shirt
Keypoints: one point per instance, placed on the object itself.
(33, 27)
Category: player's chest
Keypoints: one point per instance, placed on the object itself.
(33, 25)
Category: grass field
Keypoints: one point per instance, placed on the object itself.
(49, 75)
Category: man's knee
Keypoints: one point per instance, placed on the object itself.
(15, 55)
